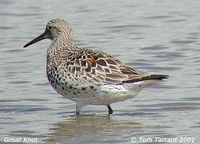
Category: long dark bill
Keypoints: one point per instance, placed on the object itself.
(37, 39)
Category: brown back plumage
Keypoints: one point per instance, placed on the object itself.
(94, 67)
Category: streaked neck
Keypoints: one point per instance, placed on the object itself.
(63, 42)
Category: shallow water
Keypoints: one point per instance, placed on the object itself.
(156, 37)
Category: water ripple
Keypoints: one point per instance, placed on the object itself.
(158, 37)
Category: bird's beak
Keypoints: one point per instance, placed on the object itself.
(37, 39)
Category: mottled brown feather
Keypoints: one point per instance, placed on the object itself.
(94, 64)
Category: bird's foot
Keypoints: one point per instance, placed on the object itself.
(110, 111)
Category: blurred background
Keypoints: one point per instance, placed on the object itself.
(154, 36)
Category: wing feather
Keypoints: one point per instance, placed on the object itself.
(91, 67)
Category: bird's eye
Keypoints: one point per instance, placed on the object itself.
(50, 27)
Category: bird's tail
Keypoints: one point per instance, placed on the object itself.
(152, 77)
(136, 85)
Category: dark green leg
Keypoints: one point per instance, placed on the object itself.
(77, 113)
(78, 108)
(110, 111)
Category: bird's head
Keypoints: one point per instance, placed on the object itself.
(55, 28)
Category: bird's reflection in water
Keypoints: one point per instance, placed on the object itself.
(95, 127)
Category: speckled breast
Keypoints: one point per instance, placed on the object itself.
(68, 89)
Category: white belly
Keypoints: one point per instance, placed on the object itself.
(106, 94)
(102, 95)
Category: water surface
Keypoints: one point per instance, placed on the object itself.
(156, 37)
